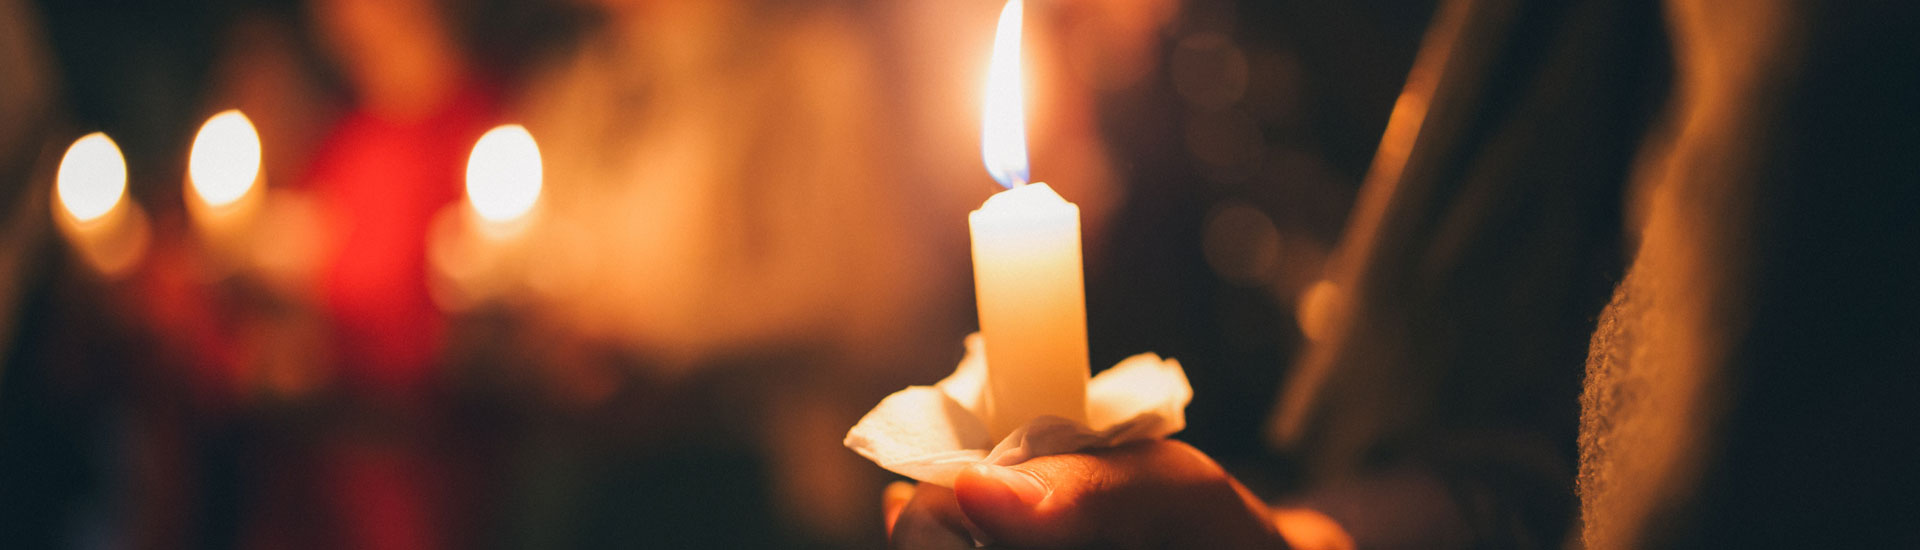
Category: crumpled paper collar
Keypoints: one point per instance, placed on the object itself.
(931, 433)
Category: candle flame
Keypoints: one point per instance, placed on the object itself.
(1003, 135)
(503, 175)
(92, 177)
(225, 161)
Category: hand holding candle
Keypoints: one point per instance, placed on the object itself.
(1023, 390)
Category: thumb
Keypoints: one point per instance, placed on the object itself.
(1151, 495)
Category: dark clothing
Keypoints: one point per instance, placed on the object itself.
(1750, 386)
(1750, 165)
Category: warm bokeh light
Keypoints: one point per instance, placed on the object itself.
(503, 175)
(1003, 133)
(1242, 244)
(92, 178)
(225, 161)
(1316, 310)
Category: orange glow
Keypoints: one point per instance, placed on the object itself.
(1308, 529)
(225, 161)
(1033, 313)
(92, 177)
(503, 175)
(1003, 133)
(1316, 310)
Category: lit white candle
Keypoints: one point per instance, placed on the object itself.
(1026, 266)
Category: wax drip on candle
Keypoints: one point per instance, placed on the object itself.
(1003, 133)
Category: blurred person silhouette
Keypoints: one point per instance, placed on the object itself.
(25, 101)
(379, 463)
(722, 204)
(1709, 206)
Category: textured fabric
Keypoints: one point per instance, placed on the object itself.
(1739, 177)
(1486, 239)
(1751, 383)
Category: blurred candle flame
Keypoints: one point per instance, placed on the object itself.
(503, 174)
(1003, 135)
(225, 161)
(92, 177)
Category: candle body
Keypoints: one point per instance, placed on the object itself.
(1032, 301)
(227, 229)
(110, 243)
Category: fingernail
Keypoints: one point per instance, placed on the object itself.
(1023, 484)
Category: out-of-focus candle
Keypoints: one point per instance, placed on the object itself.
(476, 248)
(1026, 265)
(223, 175)
(109, 232)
